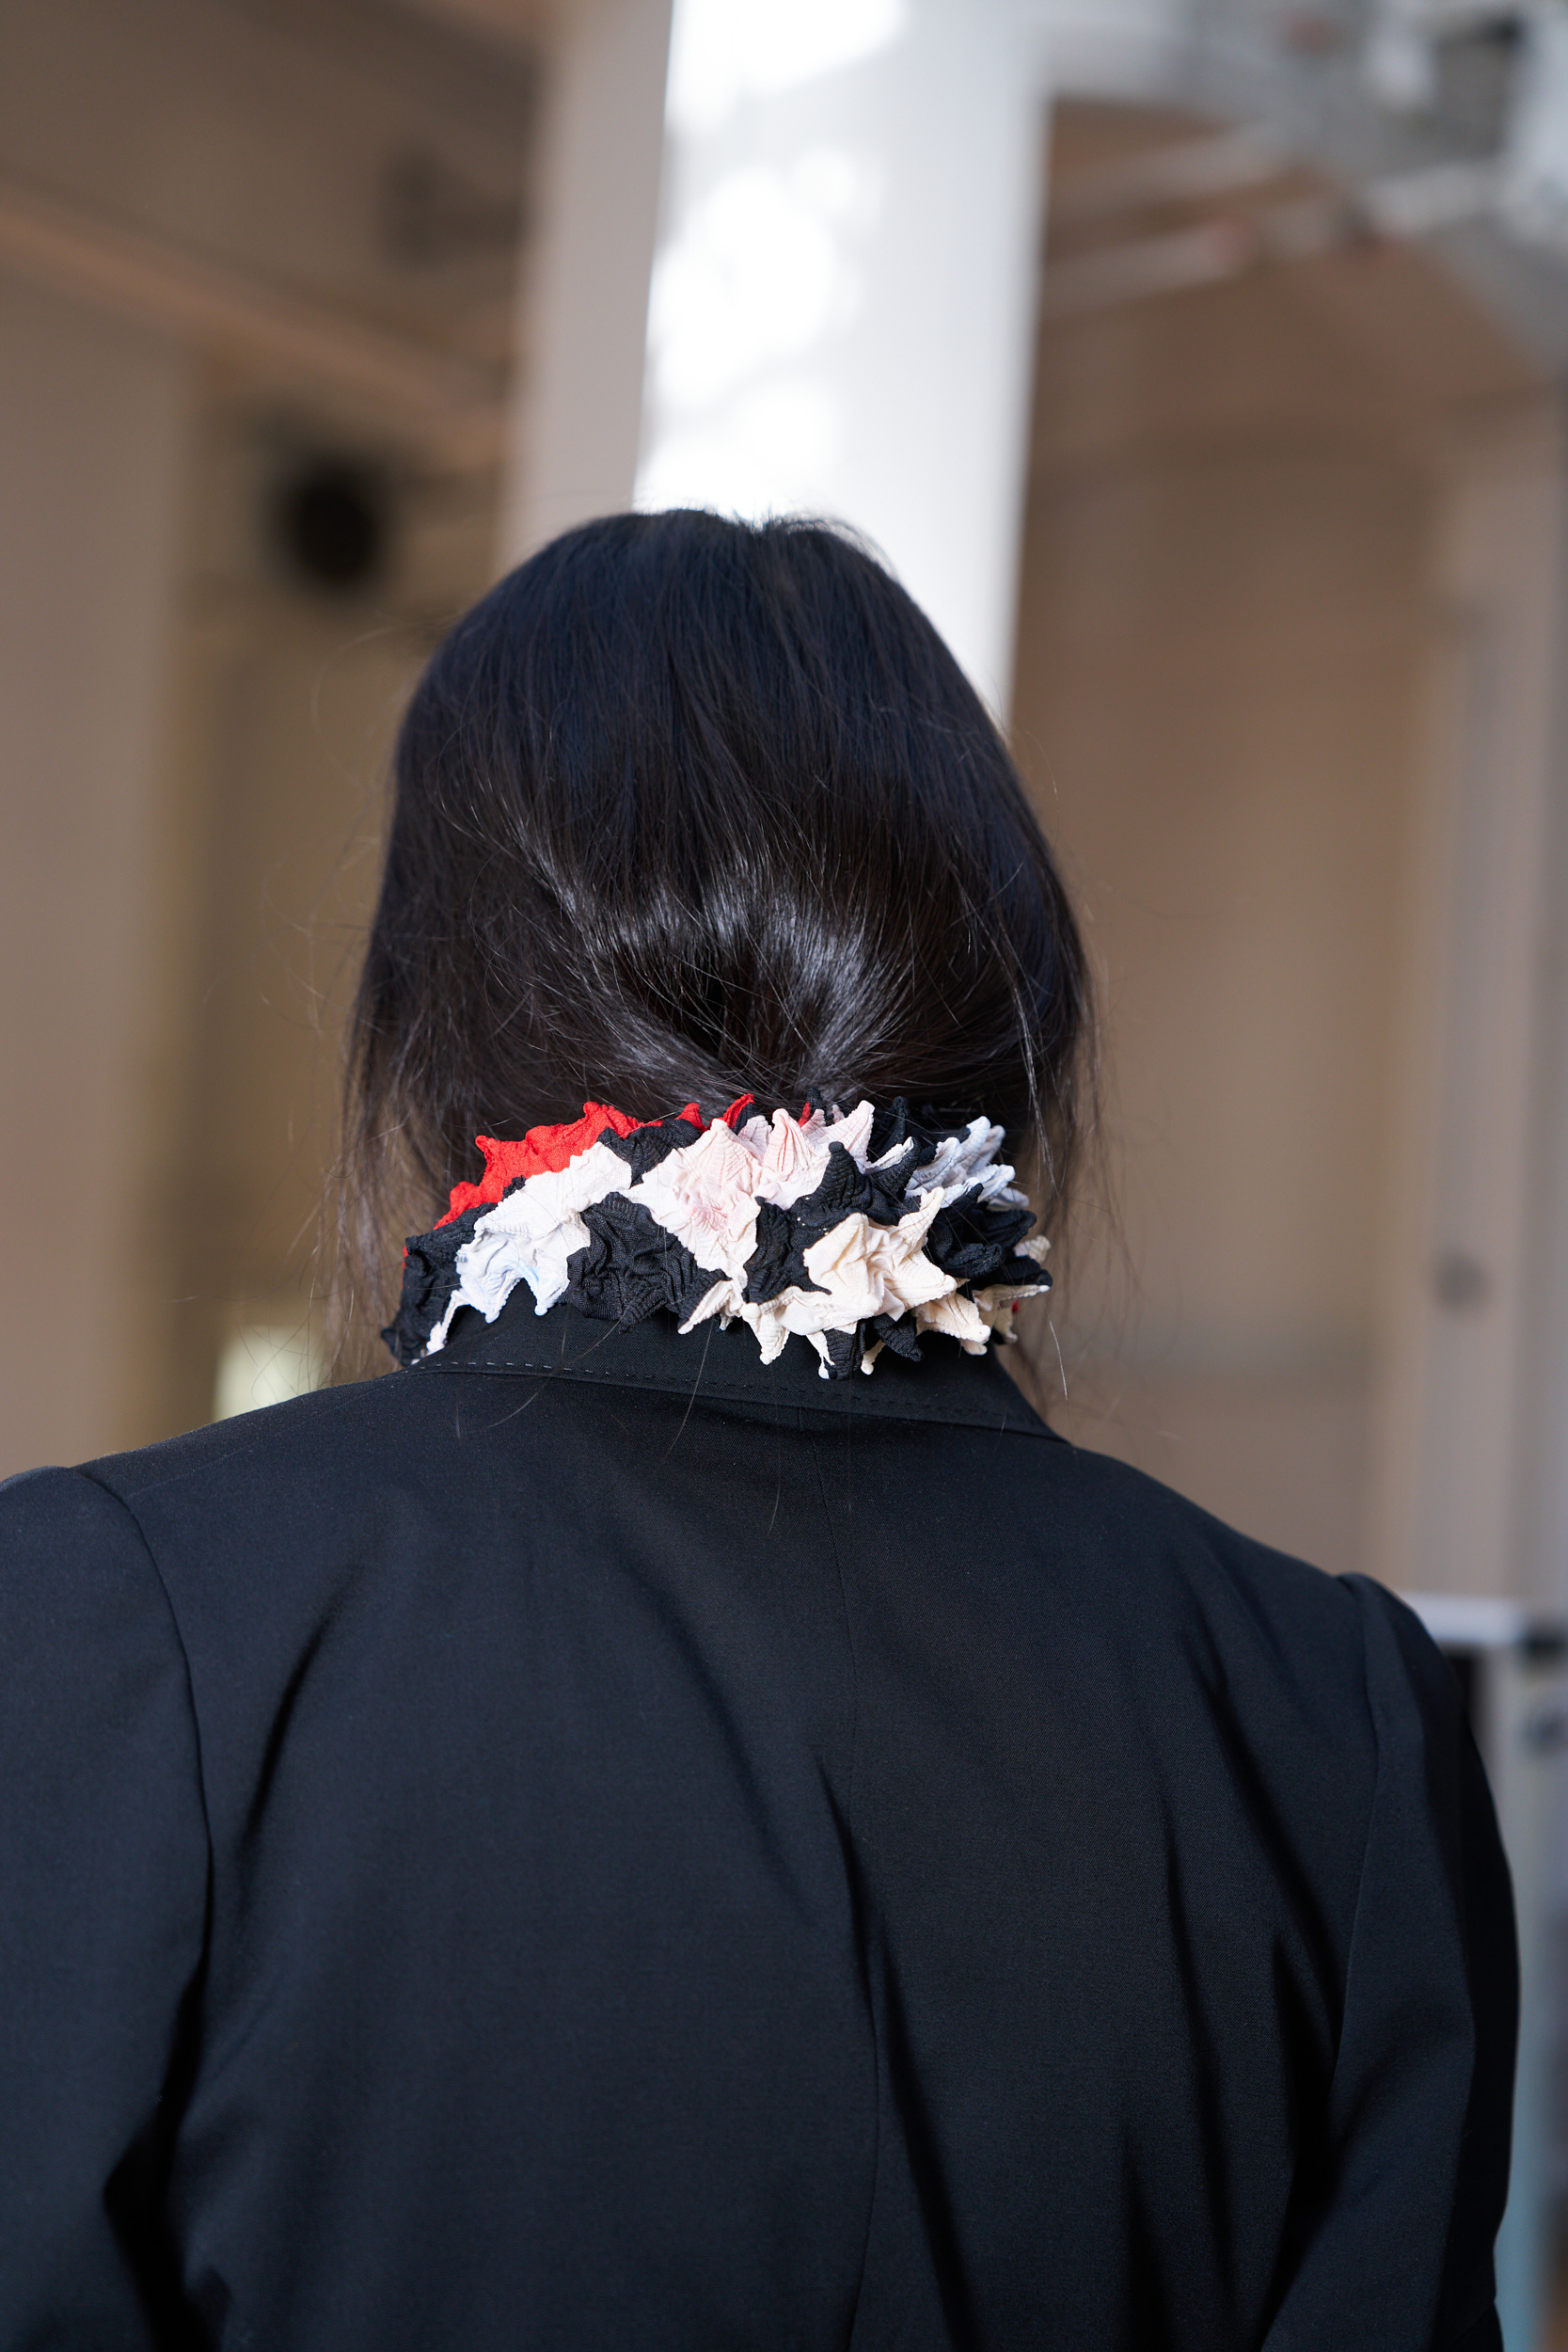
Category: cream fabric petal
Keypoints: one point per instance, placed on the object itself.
(794, 1310)
(705, 1196)
(794, 1161)
(767, 1321)
(997, 1301)
(852, 1129)
(721, 1300)
(894, 1151)
(438, 1339)
(869, 1269)
(836, 1262)
(960, 1318)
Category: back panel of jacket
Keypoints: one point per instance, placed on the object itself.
(692, 1861)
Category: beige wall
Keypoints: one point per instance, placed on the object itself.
(1228, 701)
(90, 481)
(1473, 1250)
(1221, 700)
(289, 699)
(197, 280)
(1231, 608)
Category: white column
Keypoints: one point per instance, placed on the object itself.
(849, 198)
(842, 305)
(577, 411)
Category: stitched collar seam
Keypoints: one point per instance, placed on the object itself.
(878, 1408)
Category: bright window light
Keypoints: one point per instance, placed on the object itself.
(263, 1364)
(721, 51)
(1535, 177)
(756, 274)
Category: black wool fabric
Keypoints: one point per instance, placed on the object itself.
(595, 1842)
(429, 1279)
(632, 1268)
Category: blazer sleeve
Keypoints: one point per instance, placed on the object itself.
(104, 1877)
(1414, 2172)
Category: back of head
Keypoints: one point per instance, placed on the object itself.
(688, 808)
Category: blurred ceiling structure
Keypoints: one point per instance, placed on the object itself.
(1445, 121)
(408, 129)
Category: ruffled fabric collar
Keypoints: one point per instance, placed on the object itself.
(858, 1232)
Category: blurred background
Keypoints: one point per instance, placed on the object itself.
(1199, 364)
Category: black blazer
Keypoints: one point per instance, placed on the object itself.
(594, 1843)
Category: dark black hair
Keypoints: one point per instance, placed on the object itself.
(688, 808)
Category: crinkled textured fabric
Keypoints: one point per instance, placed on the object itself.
(744, 1199)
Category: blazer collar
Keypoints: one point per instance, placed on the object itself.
(724, 1367)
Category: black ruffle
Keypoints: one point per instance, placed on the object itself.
(632, 1266)
(970, 1240)
(1020, 1274)
(845, 1351)
(895, 1125)
(776, 1263)
(429, 1279)
(896, 1333)
(887, 1188)
(646, 1147)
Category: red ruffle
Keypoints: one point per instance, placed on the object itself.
(543, 1150)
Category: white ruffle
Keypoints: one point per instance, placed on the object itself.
(529, 1236)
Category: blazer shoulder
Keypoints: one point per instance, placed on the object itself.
(54, 1513)
(1170, 1541)
(336, 1424)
